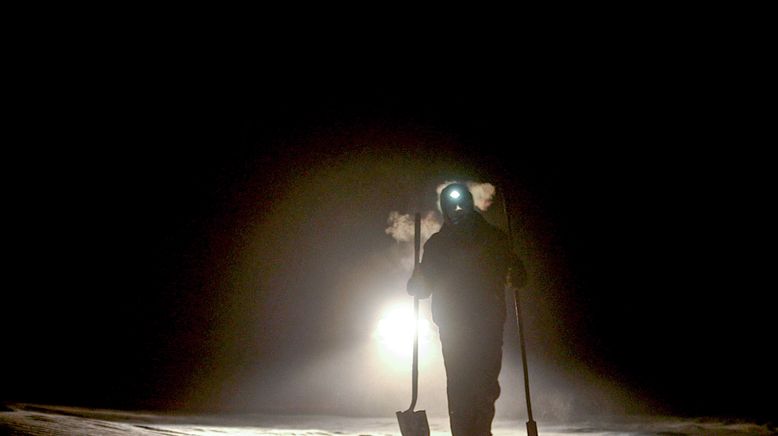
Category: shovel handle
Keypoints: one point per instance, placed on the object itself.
(415, 373)
(415, 376)
(416, 239)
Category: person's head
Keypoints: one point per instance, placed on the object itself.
(456, 203)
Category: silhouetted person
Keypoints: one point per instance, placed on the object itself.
(464, 268)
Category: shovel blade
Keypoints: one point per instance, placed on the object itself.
(532, 428)
(413, 423)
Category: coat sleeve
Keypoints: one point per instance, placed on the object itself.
(419, 283)
(517, 272)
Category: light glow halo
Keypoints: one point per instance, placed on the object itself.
(394, 334)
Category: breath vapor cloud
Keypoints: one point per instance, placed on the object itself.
(401, 225)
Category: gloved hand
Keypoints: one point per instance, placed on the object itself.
(417, 286)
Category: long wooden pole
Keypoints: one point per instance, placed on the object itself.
(416, 257)
(532, 428)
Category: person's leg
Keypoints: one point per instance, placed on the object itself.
(457, 382)
(473, 360)
(487, 388)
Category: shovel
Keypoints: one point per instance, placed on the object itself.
(414, 423)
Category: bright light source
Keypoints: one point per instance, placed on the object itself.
(454, 194)
(395, 335)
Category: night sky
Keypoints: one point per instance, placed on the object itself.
(176, 231)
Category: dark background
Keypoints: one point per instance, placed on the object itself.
(126, 197)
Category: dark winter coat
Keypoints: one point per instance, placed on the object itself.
(465, 269)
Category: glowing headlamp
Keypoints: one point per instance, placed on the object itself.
(454, 194)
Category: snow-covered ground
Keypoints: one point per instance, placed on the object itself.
(25, 419)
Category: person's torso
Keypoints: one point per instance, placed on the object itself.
(467, 274)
